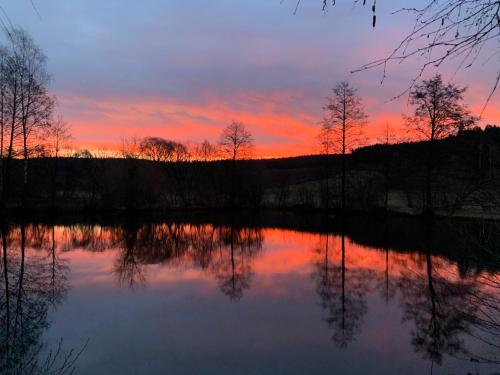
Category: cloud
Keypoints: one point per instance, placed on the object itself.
(183, 70)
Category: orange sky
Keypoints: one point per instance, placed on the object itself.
(123, 68)
(276, 134)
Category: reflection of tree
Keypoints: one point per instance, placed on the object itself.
(226, 252)
(128, 267)
(388, 289)
(86, 236)
(485, 320)
(342, 292)
(30, 285)
(438, 307)
(387, 285)
(232, 267)
(204, 244)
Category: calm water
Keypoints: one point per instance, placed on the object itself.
(273, 296)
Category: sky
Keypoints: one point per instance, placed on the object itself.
(184, 69)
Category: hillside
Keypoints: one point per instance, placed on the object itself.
(465, 180)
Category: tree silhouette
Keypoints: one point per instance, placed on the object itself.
(450, 30)
(206, 151)
(25, 103)
(342, 124)
(58, 134)
(438, 113)
(162, 150)
(236, 143)
(327, 141)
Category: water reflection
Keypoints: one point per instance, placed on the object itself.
(31, 284)
(445, 288)
(226, 252)
(342, 291)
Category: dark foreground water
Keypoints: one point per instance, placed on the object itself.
(284, 295)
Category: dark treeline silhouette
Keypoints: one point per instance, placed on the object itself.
(465, 180)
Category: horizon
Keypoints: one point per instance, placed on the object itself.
(257, 63)
(263, 186)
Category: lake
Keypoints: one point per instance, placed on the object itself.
(275, 294)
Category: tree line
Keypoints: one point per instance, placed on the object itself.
(438, 113)
(220, 174)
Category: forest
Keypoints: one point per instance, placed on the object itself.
(381, 177)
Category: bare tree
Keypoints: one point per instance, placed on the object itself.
(36, 105)
(448, 30)
(26, 106)
(387, 164)
(130, 147)
(162, 150)
(3, 112)
(327, 143)
(343, 122)
(206, 151)
(438, 113)
(236, 143)
(58, 134)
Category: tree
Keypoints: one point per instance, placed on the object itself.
(343, 122)
(130, 147)
(36, 105)
(162, 150)
(438, 113)
(25, 103)
(206, 151)
(387, 164)
(58, 133)
(236, 143)
(327, 139)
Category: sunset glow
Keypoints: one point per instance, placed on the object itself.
(170, 70)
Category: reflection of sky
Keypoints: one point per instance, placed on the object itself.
(180, 322)
(184, 69)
